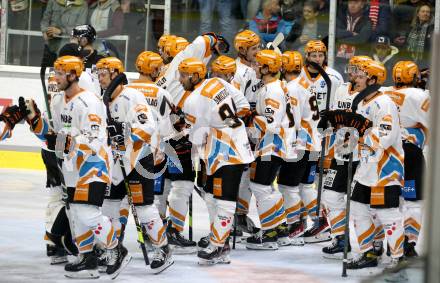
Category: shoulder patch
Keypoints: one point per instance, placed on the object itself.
(211, 88)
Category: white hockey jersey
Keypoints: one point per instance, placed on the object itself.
(318, 86)
(342, 100)
(308, 136)
(154, 97)
(129, 106)
(218, 134)
(83, 117)
(4, 131)
(276, 134)
(413, 106)
(381, 154)
(200, 48)
(245, 79)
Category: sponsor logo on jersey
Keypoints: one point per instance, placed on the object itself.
(344, 105)
(323, 84)
(161, 81)
(257, 86)
(67, 119)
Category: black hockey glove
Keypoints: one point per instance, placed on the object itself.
(182, 145)
(116, 131)
(51, 141)
(221, 46)
(12, 116)
(31, 110)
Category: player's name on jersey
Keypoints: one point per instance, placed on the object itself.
(220, 96)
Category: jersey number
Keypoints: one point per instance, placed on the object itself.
(314, 108)
(228, 115)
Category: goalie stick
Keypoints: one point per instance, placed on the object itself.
(142, 235)
(361, 96)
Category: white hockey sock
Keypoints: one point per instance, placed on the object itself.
(269, 205)
(335, 204)
(150, 218)
(222, 221)
(292, 203)
(178, 202)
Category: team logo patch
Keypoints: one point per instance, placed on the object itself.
(323, 84)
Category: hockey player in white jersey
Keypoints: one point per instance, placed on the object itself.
(247, 44)
(79, 118)
(335, 182)
(222, 67)
(413, 105)
(130, 112)
(379, 176)
(11, 116)
(149, 66)
(295, 172)
(222, 143)
(316, 51)
(274, 137)
(182, 181)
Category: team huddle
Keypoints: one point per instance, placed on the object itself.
(263, 124)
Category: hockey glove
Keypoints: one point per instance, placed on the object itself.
(116, 132)
(51, 141)
(221, 44)
(33, 113)
(181, 146)
(12, 116)
(359, 122)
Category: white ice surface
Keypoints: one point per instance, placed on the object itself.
(23, 255)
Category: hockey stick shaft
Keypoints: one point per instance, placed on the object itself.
(347, 216)
(190, 221)
(140, 229)
(328, 82)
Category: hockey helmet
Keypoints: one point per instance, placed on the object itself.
(110, 63)
(245, 39)
(193, 66)
(270, 58)
(69, 64)
(147, 62)
(224, 65)
(292, 61)
(405, 72)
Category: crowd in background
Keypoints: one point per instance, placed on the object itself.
(387, 30)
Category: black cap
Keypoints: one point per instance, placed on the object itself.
(70, 49)
(383, 39)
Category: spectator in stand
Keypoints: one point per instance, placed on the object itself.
(106, 17)
(291, 10)
(386, 54)
(223, 8)
(353, 30)
(17, 19)
(418, 41)
(403, 13)
(59, 18)
(268, 23)
(310, 27)
(379, 13)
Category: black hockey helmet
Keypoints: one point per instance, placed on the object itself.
(86, 31)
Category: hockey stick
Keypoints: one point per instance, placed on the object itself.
(279, 38)
(122, 79)
(347, 215)
(190, 220)
(328, 82)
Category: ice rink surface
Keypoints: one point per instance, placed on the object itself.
(23, 199)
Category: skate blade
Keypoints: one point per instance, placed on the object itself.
(337, 256)
(177, 250)
(283, 242)
(55, 261)
(124, 264)
(318, 238)
(265, 246)
(222, 260)
(297, 241)
(102, 268)
(83, 274)
(167, 264)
